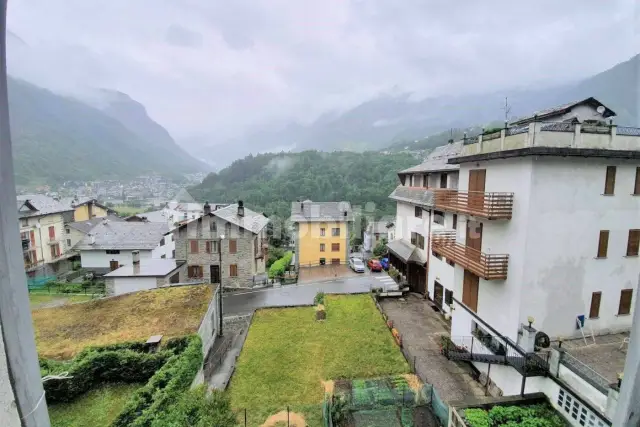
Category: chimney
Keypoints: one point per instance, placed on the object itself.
(92, 239)
(240, 208)
(345, 214)
(136, 257)
(301, 206)
(207, 208)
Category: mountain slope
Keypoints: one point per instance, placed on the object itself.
(57, 138)
(270, 182)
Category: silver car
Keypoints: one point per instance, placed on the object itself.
(356, 264)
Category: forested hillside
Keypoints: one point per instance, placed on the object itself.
(270, 182)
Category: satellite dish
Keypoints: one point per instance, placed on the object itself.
(601, 109)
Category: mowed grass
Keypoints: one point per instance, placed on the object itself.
(97, 408)
(62, 332)
(288, 353)
(37, 300)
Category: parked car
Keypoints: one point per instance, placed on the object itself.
(374, 265)
(384, 262)
(356, 265)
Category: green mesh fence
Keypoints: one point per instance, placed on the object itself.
(39, 282)
(439, 408)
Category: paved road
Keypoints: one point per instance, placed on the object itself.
(290, 295)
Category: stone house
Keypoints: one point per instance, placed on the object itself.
(228, 243)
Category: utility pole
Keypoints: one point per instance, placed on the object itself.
(507, 109)
(19, 369)
(628, 410)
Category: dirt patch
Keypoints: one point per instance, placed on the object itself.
(328, 386)
(413, 382)
(295, 420)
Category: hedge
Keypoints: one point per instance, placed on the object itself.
(164, 388)
(125, 363)
(278, 268)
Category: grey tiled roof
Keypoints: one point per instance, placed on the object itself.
(86, 226)
(124, 235)
(153, 216)
(43, 205)
(406, 251)
(415, 195)
(560, 109)
(252, 221)
(437, 159)
(147, 268)
(307, 211)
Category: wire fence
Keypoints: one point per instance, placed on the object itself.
(586, 372)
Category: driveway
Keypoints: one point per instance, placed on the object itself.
(292, 295)
(421, 328)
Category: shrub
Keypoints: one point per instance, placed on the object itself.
(197, 409)
(477, 417)
(381, 248)
(319, 298)
(164, 388)
(274, 255)
(278, 268)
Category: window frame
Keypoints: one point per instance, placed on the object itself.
(436, 215)
(633, 243)
(233, 270)
(335, 232)
(610, 181)
(417, 211)
(322, 247)
(603, 244)
(335, 247)
(624, 292)
(597, 314)
(233, 246)
(194, 246)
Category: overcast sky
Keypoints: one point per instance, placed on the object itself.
(220, 67)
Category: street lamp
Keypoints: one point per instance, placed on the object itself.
(220, 239)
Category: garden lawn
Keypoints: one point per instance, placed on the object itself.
(97, 408)
(37, 300)
(288, 353)
(62, 332)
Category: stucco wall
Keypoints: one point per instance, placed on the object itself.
(8, 409)
(100, 258)
(309, 240)
(125, 285)
(82, 213)
(407, 222)
(42, 245)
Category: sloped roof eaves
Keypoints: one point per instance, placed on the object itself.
(414, 195)
(321, 211)
(401, 249)
(252, 221)
(45, 205)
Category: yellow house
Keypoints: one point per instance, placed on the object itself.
(321, 232)
(87, 209)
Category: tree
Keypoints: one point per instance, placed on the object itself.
(381, 248)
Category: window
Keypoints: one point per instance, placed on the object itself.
(233, 270)
(227, 228)
(417, 240)
(67, 230)
(436, 255)
(240, 231)
(594, 311)
(162, 242)
(335, 232)
(24, 222)
(610, 181)
(211, 246)
(603, 243)
(173, 253)
(69, 242)
(633, 244)
(113, 251)
(443, 180)
(418, 212)
(451, 263)
(448, 297)
(52, 232)
(194, 272)
(233, 246)
(322, 231)
(455, 221)
(636, 188)
(438, 217)
(323, 261)
(55, 250)
(625, 301)
(194, 246)
(321, 247)
(213, 226)
(335, 247)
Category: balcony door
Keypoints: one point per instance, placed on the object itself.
(477, 178)
(470, 286)
(473, 240)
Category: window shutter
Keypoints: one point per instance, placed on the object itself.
(610, 180)
(625, 301)
(194, 246)
(233, 270)
(33, 238)
(594, 311)
(633, 244)
(52, 233)
(208, 247)
(636, 188)
(233, 246)
(603, 244)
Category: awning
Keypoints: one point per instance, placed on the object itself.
(406, 251)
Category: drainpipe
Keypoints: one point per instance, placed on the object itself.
(426, 288)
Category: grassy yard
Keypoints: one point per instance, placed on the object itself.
(38, 300)
(97, 408)
(61, 332)
(287, 354)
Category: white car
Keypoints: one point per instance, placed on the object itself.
(356, 264)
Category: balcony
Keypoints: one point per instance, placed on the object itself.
(476, 203)
(487, 266)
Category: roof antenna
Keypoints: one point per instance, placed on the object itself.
(450, 135)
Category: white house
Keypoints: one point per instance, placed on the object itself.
(589, 109)
(110, 244)
(144, 273)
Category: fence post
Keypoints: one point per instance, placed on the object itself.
(245, 417)
(471, 347)
(287, 415)
(414, 365)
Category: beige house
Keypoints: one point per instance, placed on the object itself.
(42, 231)
(86, 209)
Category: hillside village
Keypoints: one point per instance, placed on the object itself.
(506, 279)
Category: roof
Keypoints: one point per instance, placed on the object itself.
(549, 151)
(31, 205)
(308, 211)
(406, 251)
(86, 226)
(564, 108)
(150, 267)
(153, 216)
(74, 202)
(415, 195)
(124, 235)
(436, 161)
(252, 221)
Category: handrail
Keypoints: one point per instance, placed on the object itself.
(477, 203)
(487, 266)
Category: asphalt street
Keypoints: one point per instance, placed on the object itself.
(292, 295)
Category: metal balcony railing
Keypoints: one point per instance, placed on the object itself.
(487, 266)
(476, 203)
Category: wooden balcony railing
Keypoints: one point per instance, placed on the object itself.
(476, 203)
(487, 266)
